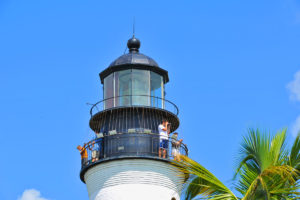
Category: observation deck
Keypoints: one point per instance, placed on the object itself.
(139, 144)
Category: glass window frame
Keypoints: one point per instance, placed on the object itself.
(140, 95)
(117, 87)
(110, 99)
(116, 102)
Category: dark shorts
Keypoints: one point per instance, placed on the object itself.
(84, 161)
(163, 144)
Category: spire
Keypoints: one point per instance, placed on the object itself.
(133, 27)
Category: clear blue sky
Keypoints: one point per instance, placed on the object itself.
(229, 62)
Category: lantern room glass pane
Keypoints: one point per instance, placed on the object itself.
(123, 85)
(140, 87)
(134, 87)
(157, 92)
(109, 91)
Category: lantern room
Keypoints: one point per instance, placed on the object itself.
(134, 79)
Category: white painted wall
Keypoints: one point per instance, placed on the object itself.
(133, 179)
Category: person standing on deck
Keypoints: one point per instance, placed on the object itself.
(176, 146)
(83, 153)
(164, 131)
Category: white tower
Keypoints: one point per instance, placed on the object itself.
(123, 161)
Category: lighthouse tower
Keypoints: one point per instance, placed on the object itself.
(123, 160)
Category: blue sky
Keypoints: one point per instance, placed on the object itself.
(232, 65)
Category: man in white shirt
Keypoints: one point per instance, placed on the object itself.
(164, 131)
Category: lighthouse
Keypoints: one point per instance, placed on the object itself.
(125, 161)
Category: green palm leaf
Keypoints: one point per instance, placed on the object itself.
(294, 157)
(202, 183)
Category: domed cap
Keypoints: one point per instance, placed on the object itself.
(133, 44)
(134, 60)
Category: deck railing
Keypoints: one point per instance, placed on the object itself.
(134, 101)
(129, 145)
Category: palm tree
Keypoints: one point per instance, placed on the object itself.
(267, 170)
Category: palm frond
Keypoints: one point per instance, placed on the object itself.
(261, 158)
(202, 183)
(294, 157)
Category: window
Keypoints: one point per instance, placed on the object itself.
(123, 87)
(157, 86)
(134, 87)
(140, 87)
(109, 91)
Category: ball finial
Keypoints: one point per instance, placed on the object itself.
(133, 44)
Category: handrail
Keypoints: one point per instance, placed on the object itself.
(128, 144)
(163, 101)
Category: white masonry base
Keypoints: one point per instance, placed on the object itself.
(133, 179)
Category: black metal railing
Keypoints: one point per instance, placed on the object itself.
(134, 100)
(130, 145)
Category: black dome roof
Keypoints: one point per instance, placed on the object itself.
(134, 60)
